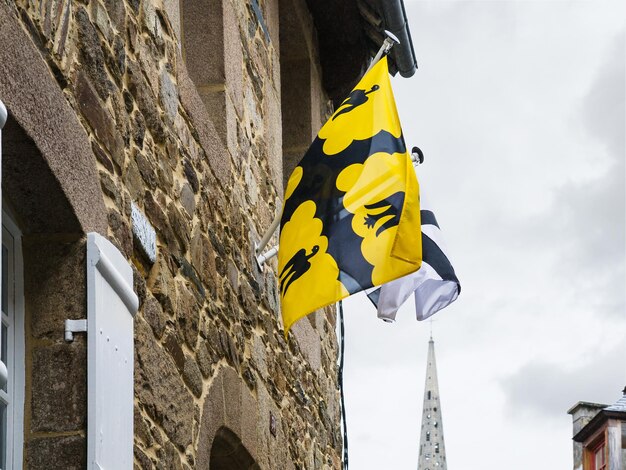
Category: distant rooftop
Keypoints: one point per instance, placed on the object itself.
(616, 410)
(619, 405)
(585, 404)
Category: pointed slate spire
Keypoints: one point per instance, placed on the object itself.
(432, 448)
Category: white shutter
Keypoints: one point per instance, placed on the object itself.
(4, 373)
(111, 306)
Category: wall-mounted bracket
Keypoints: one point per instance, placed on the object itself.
(74, 326)
(386, 46)
(417, 157)
(262, 258)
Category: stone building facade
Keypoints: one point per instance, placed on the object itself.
(193, 112)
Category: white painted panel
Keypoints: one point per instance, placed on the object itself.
(111, 306)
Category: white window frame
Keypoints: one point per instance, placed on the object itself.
(14, 396)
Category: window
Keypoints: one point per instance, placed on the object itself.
(598, 457)
(428, 435)
(11, 348)
(429, 394)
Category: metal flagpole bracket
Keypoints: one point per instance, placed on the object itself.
(393, 38)
(417, 157)
(388, 43)
(263, 258)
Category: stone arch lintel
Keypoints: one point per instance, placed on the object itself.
(229, 404)
(36, 102)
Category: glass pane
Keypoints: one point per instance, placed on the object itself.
(3, 435)
(5, 280)
(600, 457)
(3, 343)
(3, 351)
(4, 340)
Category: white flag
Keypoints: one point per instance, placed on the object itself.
(434, 285)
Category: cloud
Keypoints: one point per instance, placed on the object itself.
(603, 110)
(547, 389)
(557, 226)
(586, 220)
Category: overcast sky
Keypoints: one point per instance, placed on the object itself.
(519, 107)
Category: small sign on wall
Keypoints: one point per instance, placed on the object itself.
(144, 234)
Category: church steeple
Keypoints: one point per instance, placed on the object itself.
(432, 448)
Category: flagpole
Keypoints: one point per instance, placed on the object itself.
(258, 247)
(262, 258)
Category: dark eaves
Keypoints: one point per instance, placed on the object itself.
(350, 32)
(390, 15)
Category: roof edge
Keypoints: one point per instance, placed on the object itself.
(579, 404)
(397, 22)
(596, 422)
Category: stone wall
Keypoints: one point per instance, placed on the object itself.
(182, 110)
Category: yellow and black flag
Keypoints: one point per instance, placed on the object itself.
(351, 218)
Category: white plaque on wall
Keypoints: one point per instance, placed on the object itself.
(143, 233)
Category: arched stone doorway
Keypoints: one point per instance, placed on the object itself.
(53, 287)
(235, 431)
